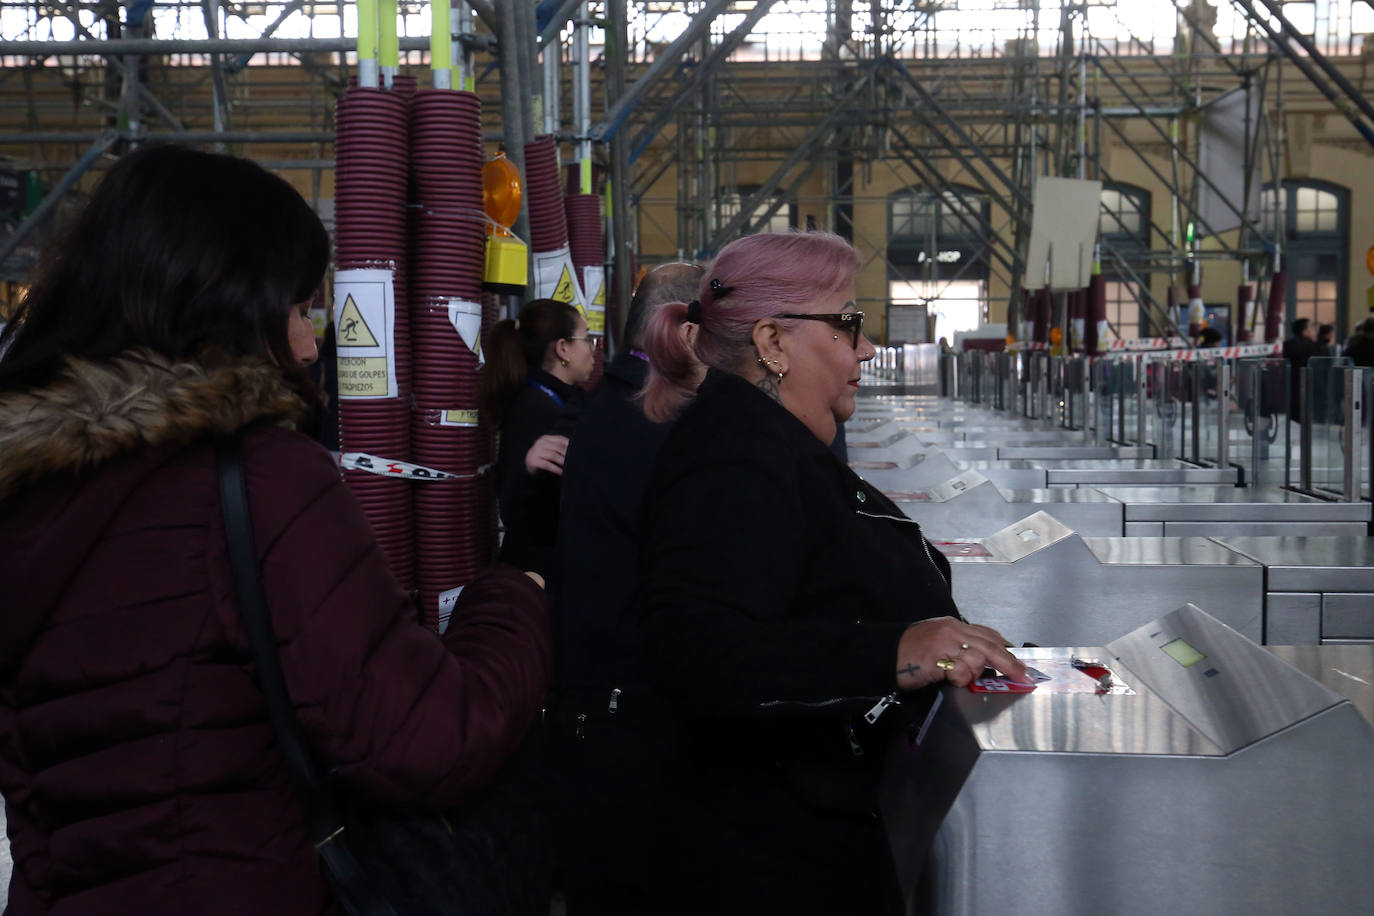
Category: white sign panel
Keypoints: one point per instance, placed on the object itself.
(365, 332)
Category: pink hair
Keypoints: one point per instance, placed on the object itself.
(759, 277)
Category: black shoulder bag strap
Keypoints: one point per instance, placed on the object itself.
(355, 894)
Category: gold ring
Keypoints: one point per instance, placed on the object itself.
(944, 664)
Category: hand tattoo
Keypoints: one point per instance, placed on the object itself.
(769, 386)
(910, 670)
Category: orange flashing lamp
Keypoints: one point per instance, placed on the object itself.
(502, 191)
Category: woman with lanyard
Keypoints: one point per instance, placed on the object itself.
(529, 392)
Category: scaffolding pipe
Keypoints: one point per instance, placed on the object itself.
(1279, 39)
(219, 91)
(159, 46)
(1318, 58)
(699, 74)
(512, 88)
(46, 205)
(617, 58)
(560, 18)
(627, 102)
(582, 86)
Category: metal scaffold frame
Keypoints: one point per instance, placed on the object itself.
(892, 90)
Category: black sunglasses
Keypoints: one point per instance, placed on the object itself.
(853, 322)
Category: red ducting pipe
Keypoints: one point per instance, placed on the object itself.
(1096, 331)
(1245, 312)
(1278, 299)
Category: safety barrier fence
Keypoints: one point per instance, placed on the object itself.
(1310, 430)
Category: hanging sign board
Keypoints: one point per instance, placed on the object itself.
(594, 286)
(466, 318)
(365, 332)
(556, 278)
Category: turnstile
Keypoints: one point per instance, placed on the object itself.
(916, 471)
(1211, 777)
(1037, 581)
(968, 505)
(1231, 511)
(1318, 589)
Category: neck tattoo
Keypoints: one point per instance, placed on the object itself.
(769, 386)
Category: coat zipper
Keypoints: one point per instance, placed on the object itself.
(872, 716)
(924, 543)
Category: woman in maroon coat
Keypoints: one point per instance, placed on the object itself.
(137, 764)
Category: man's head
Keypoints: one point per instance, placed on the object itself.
(676, 282)
(1302, 327)
(1326, 333)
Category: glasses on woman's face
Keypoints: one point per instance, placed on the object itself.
(853, 322)
(591, 341)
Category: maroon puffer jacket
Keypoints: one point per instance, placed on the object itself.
(136, 761)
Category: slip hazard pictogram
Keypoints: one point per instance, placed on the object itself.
(566, 291)
(353, 330)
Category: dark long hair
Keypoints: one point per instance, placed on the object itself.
(189, 254)
(515, 348)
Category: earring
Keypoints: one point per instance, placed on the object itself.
(564, 362)
(834, 337)
(764, 362)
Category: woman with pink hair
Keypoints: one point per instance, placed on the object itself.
(787, 603)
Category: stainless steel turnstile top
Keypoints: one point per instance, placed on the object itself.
(1223, 781)
(1316, 564)
(1347, 670)
(1230, 504)
(1168, 551)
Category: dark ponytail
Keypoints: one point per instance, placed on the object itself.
(515, 348)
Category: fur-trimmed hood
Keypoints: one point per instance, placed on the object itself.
(97, 410)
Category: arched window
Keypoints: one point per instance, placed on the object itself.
(1124, 226)
(937, 256)
(1315, 230)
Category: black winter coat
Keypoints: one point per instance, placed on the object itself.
(776, 587)
(596, 569)
(616, 764)
(529, 502)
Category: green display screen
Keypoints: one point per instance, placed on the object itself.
(1183, 653)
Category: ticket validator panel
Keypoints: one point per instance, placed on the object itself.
(1204, 774)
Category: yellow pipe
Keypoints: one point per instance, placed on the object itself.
(440, 45)
(390, 45)
(586, 176)
(367, 29)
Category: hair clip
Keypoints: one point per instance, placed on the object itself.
(719, 290)
(694, 311)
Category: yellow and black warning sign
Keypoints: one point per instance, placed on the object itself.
(352, 327)
(555, 278)
(365, 328)
(565, 291)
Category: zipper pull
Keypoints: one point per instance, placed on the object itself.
(614, 705)
(876, 712)
(581, 726)
(855, 747)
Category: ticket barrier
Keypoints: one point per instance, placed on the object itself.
(968, 505)
(1233, 511)
(915, 471)
(1345, 668)
(1037, 581)
(1204, 774)
(1317, 589)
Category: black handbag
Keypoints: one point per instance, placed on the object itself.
(492, 857)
